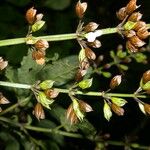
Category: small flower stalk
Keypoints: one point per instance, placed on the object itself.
(135, 30)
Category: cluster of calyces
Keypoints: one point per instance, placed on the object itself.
(45, 95)
(39, 51)
(77, 109)
(3, 64)
(87, 35)
(132, 27)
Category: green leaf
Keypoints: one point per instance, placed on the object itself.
(129, 25)
(123, 67)
(112, 54)
(140, 57)
(141, 106)
(146, 86)
(121, 54)
(47, 84)
(107, 111)
(37, 25)
(60, 71)
(57, 4)
(84, 84)
(118, 101)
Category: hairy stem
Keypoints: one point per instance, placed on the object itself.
(26, 86)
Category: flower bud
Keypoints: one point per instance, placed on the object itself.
(129, 33)
(3, 100)
(41, 45)
(84, 106)
(139, 25)
(131, 47)
(37, 55)
(31, 15)
(143, 33)
(3, 64)
(95, 44)
(90, 27)
(147, 108)
(136, 41)
(39, 112)
(80, 9)
(136, 16)
(121, 14)
(51, 93)
(115, 81)
(118, 110)
(131, 6)
(90, 54)
(146, 76)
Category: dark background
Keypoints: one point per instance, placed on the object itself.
(60, 18)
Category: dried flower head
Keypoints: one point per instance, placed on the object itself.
(90, 54)
(146, 76)
(91, 26)
(147, 108)
(3, 100)
(95, 44)
(121, 14)
(139, 25)
(129, 33)
(131, 6)
(31, 15)
(136, 16)
(131, 47)
(36, 55)
(41, 45)
(51, 93)
(118, 110)
(143, 33)
(80, 9)
(3, 64)
(136, 41)
(84, 106)
(39, 112)
(115, 81)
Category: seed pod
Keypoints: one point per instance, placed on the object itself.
(90, 27)
(139, 25)
(95, 44)
(31, 15)
(51, 93)
(143, 33)
(146, 76)
(131, 47)
(129, 33)
(90, 54)
(36, 55)
(147, 108)
(115, 81)
(136, 41)
(84, 106)
(131, 6)
(118, 110)
(41, 45)
(3, 64)
(80, 9)
(136, 16)
(39, 112)
(121, 14)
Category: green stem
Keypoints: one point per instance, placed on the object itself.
(26, 86)
(59, 37)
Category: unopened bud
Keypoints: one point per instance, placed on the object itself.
(41, 45)
(51, 93)
(131, 47)
(146, 76)
(80, 9)
(136, 41)
(115, 81)
(3, 64)
(95, 44)
(31, 15)
(39, 112)
(90, 27)
(131, 6)
(84, 106)
(139, 25)
(118, 110)
(90, 54)
(143, 33)
(147, 108)
(121, 14)
(136, 16)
